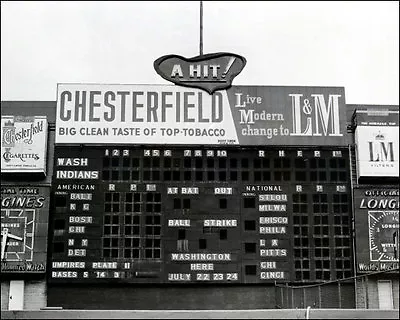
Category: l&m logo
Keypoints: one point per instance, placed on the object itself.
(321, 118)
(380, 150)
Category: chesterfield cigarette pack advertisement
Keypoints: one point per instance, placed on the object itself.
(23, 144)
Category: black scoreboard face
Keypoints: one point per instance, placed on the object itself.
(200, 215)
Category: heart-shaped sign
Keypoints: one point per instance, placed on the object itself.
(209, 72)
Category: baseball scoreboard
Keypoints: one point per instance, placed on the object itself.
(209, 214)
(165, 184)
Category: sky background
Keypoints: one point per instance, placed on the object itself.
(347, 44)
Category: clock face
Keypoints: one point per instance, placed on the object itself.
(17, 234)
(384, 235)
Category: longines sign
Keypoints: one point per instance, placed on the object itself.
(377, 229)
(241, 115)
(24, 218)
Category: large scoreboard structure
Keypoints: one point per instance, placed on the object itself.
(267, 200)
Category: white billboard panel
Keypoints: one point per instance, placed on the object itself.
(123, 114)
(23, 144)
(164, 114)
(377, 151)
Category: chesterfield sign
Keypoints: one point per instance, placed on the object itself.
(23, 144)
(161, 114)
